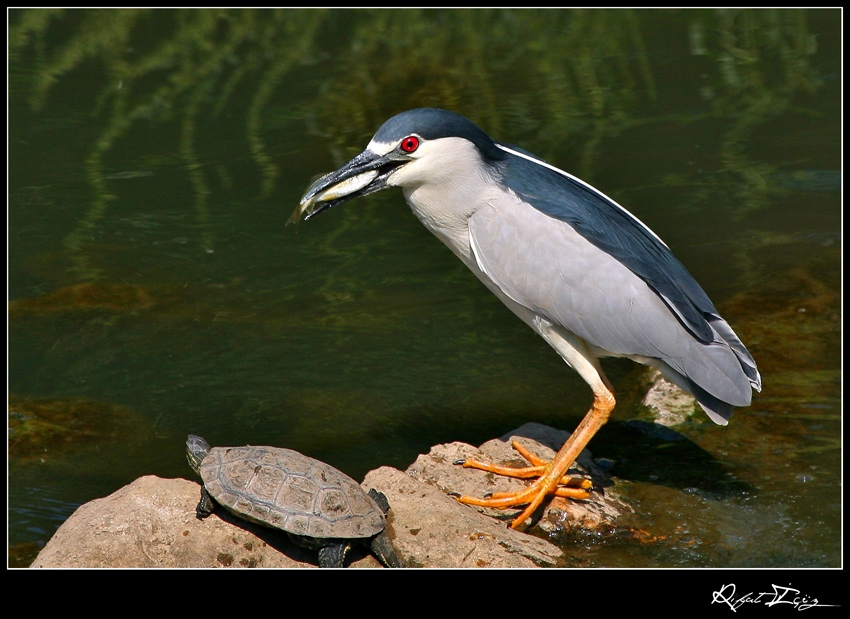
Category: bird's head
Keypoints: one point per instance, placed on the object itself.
(425, 145)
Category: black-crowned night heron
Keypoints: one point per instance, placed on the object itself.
(578, 268)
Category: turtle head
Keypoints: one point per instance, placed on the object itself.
(196, 450)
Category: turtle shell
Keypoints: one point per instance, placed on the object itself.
(287, 490)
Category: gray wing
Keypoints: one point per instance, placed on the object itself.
(614, 230)
(542, 263)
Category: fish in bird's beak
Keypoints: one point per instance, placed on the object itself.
(365, 174)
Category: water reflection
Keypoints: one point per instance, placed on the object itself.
(155, 156)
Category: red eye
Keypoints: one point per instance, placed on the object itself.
(410, 144)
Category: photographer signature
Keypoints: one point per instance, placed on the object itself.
(779, 595)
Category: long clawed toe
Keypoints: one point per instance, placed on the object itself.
(548, 483)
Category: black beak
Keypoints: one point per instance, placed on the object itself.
(365, 174)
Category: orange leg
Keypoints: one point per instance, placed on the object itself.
(525, 472)
(549, 474)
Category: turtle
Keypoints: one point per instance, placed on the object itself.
(318, 506)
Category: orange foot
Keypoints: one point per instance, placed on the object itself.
(549, 482)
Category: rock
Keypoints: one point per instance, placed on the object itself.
(596, 514)
(152, 522)
(671, 405)
(431, 529)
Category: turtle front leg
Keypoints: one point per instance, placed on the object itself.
(206, 505)
(333, 554)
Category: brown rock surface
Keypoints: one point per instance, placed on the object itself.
(152, 522)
